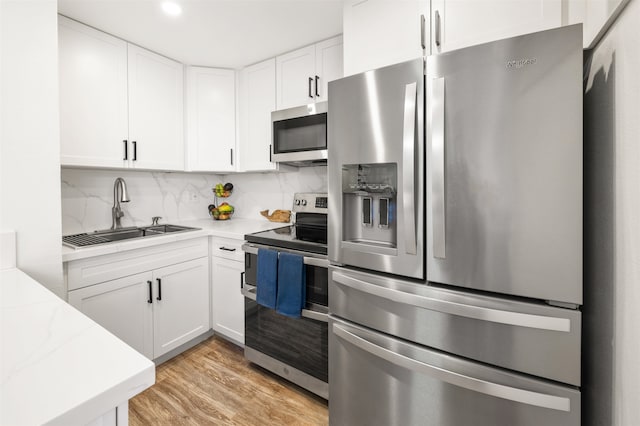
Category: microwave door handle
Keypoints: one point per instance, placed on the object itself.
(408, 166)
(435, 88)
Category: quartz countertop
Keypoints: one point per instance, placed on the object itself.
(58, 366)
(235, 228)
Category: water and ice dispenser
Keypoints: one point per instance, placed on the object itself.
(369, 199)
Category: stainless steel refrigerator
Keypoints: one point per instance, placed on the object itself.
(455, 237)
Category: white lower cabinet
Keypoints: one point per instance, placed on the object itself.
(153, 308)
(227, 301)
(181, 305)
(122, 307)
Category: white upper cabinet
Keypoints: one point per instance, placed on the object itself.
(461, 23)
(594, 16)
(378, 33)
(302, 75)
(120, 105)
(211, 119)
(93, 96)
(155, 110)
(295, 76)
(329, 66)
(257, 101)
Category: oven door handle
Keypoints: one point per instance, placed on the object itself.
(307, 260)
(249, 291)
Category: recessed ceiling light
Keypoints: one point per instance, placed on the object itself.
(171, 8)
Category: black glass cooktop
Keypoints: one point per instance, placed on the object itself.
(304, 238)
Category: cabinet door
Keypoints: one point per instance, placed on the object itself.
(328, 66)
(122, 306)
(180, 304)
(295, 72)
(366, 47)
(462, 23)
(211, 119)
(93, 96)
(155, 111)
(226, 298)
(257, 101)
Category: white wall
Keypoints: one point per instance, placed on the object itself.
(612, 225)
(30, 148)
(87, 195)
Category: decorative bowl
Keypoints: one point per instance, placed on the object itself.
(222, 216)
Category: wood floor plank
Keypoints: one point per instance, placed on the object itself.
(212, 384)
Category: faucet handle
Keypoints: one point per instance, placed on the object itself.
(155, 219)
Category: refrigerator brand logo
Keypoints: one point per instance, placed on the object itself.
(521, 63)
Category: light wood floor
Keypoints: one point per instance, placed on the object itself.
(212, 384)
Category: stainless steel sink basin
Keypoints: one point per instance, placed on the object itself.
(110, 236)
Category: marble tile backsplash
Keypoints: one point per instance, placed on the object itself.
(87, 195)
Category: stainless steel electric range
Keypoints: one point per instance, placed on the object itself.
(294, 348)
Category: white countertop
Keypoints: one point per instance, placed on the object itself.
(235, 228)
(57, 365)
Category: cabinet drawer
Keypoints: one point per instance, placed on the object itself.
(86, 272)
(227, 248)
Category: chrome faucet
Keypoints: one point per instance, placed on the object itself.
(116, 212)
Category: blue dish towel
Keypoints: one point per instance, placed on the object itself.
(291, 285)
(267, 278)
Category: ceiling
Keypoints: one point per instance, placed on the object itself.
(216, 33)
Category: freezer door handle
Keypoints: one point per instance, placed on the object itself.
(467, 382)
(435, 123)
(408, 166)
(519, 319)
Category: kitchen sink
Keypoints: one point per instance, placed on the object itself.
(106, 236)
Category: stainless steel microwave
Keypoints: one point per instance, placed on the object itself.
(299, 135)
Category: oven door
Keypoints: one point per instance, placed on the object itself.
(293, 348)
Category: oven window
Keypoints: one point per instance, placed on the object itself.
(300, 134)
(299, 342)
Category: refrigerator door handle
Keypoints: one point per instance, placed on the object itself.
(467, 382)
(499, 316)
(435, 88)
(408, 167)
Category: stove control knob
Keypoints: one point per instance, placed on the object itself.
(297, 202)
(304, 202)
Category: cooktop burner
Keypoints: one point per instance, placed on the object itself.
(309, 233)
(287, 238)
